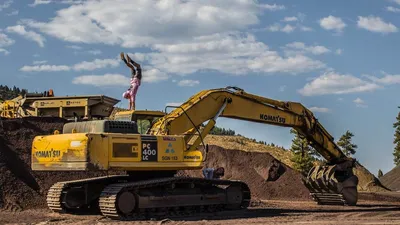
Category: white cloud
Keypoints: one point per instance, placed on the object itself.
(103, 80)
(290, 19)
(39, 62)
(359, 102)
(300, 47)
(386, 80)
(276, 27)
(45, 2)
(396, 1)
(319, 109)
(5, 40)
(30, 35)
(376, 24)
(149, 76)
(183, 36)
(76, 47)
(167, 22)
(273, 7)
(392, 9)
(282, 88)
(332, 23)
(272, 63)
(96, 64)
(45, 68)
(288, 28)
(88, 66)
(334, 83)
(304, 28)
(188, 83)
(339, 51)
(5, 52)
(233, 54)
(5, 4)
(154, 75)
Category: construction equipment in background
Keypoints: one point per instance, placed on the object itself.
(85, 107)
(151, 160)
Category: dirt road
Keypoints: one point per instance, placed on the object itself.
(268, 212)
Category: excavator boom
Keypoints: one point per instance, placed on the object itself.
(329, 184)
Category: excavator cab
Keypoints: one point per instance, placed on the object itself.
(143, 118)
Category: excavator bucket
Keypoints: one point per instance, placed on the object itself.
(332, 185)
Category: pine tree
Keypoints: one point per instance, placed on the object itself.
(380, 173)
(303, 154)
(396, 152)
(345, 144)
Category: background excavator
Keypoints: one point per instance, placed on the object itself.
(171, 143)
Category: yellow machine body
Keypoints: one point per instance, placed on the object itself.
(108, 151)
(69, 107)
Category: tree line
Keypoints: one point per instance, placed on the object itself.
(7, 93)
(304, 155)
(228, 132)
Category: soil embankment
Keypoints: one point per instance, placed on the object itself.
(392, 179)
(20, 187)
(254, 168)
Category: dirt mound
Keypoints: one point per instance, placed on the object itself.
(367, 181)
(20, 187)
(253, 168)
(246, 144)
(392, 179)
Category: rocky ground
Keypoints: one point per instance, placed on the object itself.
(265, 212)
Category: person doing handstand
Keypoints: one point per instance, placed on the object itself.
(135, 82)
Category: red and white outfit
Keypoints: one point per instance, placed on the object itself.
(135, 83)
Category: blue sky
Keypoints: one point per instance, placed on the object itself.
(338, 58)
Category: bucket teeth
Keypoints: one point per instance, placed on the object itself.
(324, 187)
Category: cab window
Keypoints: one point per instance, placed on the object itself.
(143, 125)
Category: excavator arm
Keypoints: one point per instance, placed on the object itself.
(332, 183)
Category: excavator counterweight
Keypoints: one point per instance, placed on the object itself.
(171, 143)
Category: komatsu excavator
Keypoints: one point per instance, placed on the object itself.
(151, 160)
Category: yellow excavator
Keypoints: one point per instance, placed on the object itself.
(171, 143)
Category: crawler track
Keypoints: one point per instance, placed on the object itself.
(171, 203)
(121, 198)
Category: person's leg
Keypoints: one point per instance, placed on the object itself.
(135, 87)
(127, 62)
(133, 96)
(133, 62)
